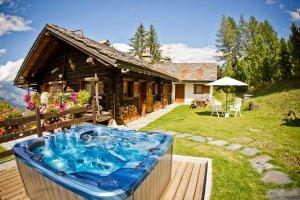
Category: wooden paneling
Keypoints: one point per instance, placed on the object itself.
(191, 188)
(38, 187)
(157, 180)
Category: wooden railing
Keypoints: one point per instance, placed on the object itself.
(25, 124)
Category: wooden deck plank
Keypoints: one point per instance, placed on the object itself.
(8, 175)
(187, 182)
(190, 192)
(201, 183)
(174, 183)
(10, 180)
(175, 166)
(184, 182)
(7, 171)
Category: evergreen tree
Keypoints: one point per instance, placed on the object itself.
(256, 60)
(138, 41)
(242, 37)
(153, 44)
(271, 71)
(285, 64)
(227, 44)
(294, 43)
(252, 27)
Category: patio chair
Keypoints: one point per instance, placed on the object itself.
(216, 107)
(236, 108)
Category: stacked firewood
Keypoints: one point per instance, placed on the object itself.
(157, 105)
(128, 113)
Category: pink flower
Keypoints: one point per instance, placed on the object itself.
(74, 97)
(63, 108)
(30, 106)
(27, 98)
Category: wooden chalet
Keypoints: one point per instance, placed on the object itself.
(64, 60)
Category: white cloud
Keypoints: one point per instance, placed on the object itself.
(295, 15)
(9, 70)
(9, 23)
(3, 51)
(281, 6)
(272, 1)
(181, 53)
(122, 47)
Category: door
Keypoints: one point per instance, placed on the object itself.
(179, 93)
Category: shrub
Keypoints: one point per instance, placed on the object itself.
(4, 106)
(52, 109)
(83, 97)
(36, 99)
(13, 114)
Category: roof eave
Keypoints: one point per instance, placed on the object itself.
(25, 62)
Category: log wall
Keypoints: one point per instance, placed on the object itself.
(58, 67)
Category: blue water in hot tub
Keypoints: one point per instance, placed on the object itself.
(100, 150)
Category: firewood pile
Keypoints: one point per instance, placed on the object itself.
(128, 113)
(157, 105)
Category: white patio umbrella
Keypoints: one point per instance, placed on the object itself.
(227, 81)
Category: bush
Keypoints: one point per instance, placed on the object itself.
(36, 99)
(13, 114)
(4, 106)
(83, 97)
(52, 109)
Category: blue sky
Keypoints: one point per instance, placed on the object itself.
(191, 24)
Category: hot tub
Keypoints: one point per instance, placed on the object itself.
(95, 162)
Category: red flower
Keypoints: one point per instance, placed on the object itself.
(1, 132)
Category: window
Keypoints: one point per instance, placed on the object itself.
(88, 87)
(128, 88)
(200, 89)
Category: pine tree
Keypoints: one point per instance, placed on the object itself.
(271, 71)
(227, 44)
(294, 43)
(242, 37)
(138, 41)
(285, 64)
(153, 44)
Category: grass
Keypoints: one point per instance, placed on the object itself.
(6, 158)
(233, 177)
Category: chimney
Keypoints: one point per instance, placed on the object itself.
(105, 42)
(147, 56)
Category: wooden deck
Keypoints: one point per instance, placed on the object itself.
(187, 182)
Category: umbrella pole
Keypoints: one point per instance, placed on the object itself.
(226, 98)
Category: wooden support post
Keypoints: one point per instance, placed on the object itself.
(38, 122)
(94, 111)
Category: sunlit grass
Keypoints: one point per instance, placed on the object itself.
(233, 177)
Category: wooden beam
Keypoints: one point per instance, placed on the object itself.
(35, 54)
(45, 55)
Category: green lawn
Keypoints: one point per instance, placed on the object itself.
(6, 158)
(233, 177)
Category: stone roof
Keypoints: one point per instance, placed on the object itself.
(102, 52)
(108, 55)
(105, 52)
(189, 71)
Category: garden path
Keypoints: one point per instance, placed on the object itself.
(260, 163)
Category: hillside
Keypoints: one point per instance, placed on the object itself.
(263, 129)
(276, 99)
(12, 94)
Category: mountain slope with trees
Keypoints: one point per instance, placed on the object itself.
(252, 52)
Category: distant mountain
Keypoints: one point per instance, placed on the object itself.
(12, 94)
